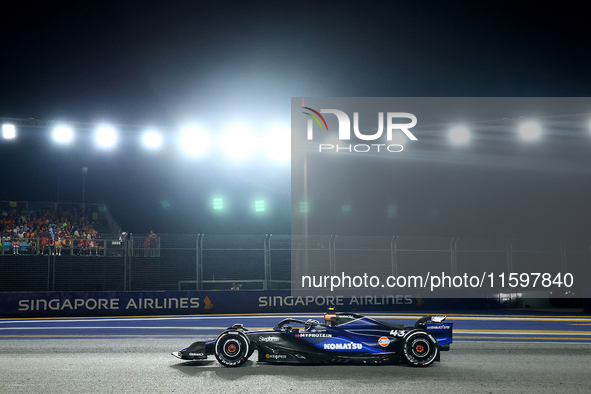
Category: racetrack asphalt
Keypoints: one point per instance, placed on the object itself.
(133, 355)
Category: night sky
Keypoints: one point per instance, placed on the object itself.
(164, 64)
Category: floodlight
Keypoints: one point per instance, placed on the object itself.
(304, 207)
(459, 135)
(218, 204)
(194, 140)
(63, 134)
(152, 139)
(106, 137)
(238, 142)
(278, 144)
(259, 206)
(529, 131)
(8, 131)
(392, 211)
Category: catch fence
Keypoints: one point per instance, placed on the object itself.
(264, 262)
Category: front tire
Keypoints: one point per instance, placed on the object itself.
(420, 349)
(232, 348)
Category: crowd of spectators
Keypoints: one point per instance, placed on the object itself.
(48, 231)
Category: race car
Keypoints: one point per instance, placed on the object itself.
(343, 338)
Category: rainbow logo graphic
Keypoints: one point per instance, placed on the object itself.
(315, 118)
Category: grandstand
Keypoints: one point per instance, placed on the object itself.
(45, 228)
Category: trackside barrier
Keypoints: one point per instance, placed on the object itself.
(94, 304)
(201, 262)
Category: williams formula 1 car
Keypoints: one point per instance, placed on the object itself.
(344, 338)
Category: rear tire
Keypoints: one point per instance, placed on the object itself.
(232, 348)
(420, 349)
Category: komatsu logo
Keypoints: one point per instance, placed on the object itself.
(342, 346)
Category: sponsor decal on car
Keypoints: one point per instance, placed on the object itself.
(398, 333)
(269, 339)
(440, 327)
(313, 335)
(275, 356)
(383, 341)
(342, 346)
(346, 317)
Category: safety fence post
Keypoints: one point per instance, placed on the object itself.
(394, 256)
(332, 254)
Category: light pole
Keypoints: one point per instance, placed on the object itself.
(306, 241)
(84, 172)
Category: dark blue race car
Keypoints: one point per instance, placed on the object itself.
(344, 338)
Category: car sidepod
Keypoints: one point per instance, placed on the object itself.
(327, 345)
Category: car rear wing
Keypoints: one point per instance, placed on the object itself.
(429, 319)
(435, 325)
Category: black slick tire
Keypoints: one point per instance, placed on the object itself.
(232, 348)
(420, 348)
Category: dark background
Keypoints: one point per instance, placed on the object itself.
(166, 63)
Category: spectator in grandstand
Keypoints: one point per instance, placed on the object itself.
(33, 243)
(16, 246)
(83, 247)
(58, 246)
(152, 238)
(92, 247)
(67, 244)
(122, 239)
(100, 247)
(75, 246)
(51, 246)
(235, 286)
(44, 245)
(147, 243)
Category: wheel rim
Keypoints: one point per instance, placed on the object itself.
(420, 348)
(232, 348)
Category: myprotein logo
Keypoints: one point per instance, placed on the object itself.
(392, 120)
